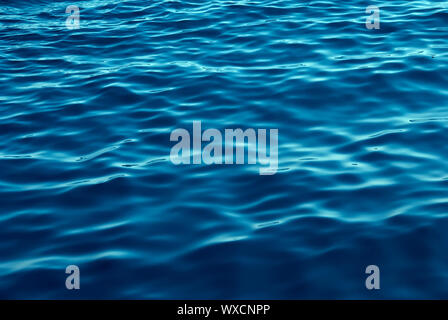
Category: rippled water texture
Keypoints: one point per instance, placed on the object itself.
(86, 179)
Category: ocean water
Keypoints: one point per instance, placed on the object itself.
(86, 178)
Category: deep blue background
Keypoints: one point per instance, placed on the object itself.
(85, 176)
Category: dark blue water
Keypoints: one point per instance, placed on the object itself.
(86, 179)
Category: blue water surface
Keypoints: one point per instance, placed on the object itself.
(86, 178)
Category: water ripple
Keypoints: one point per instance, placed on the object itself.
(86, 179)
